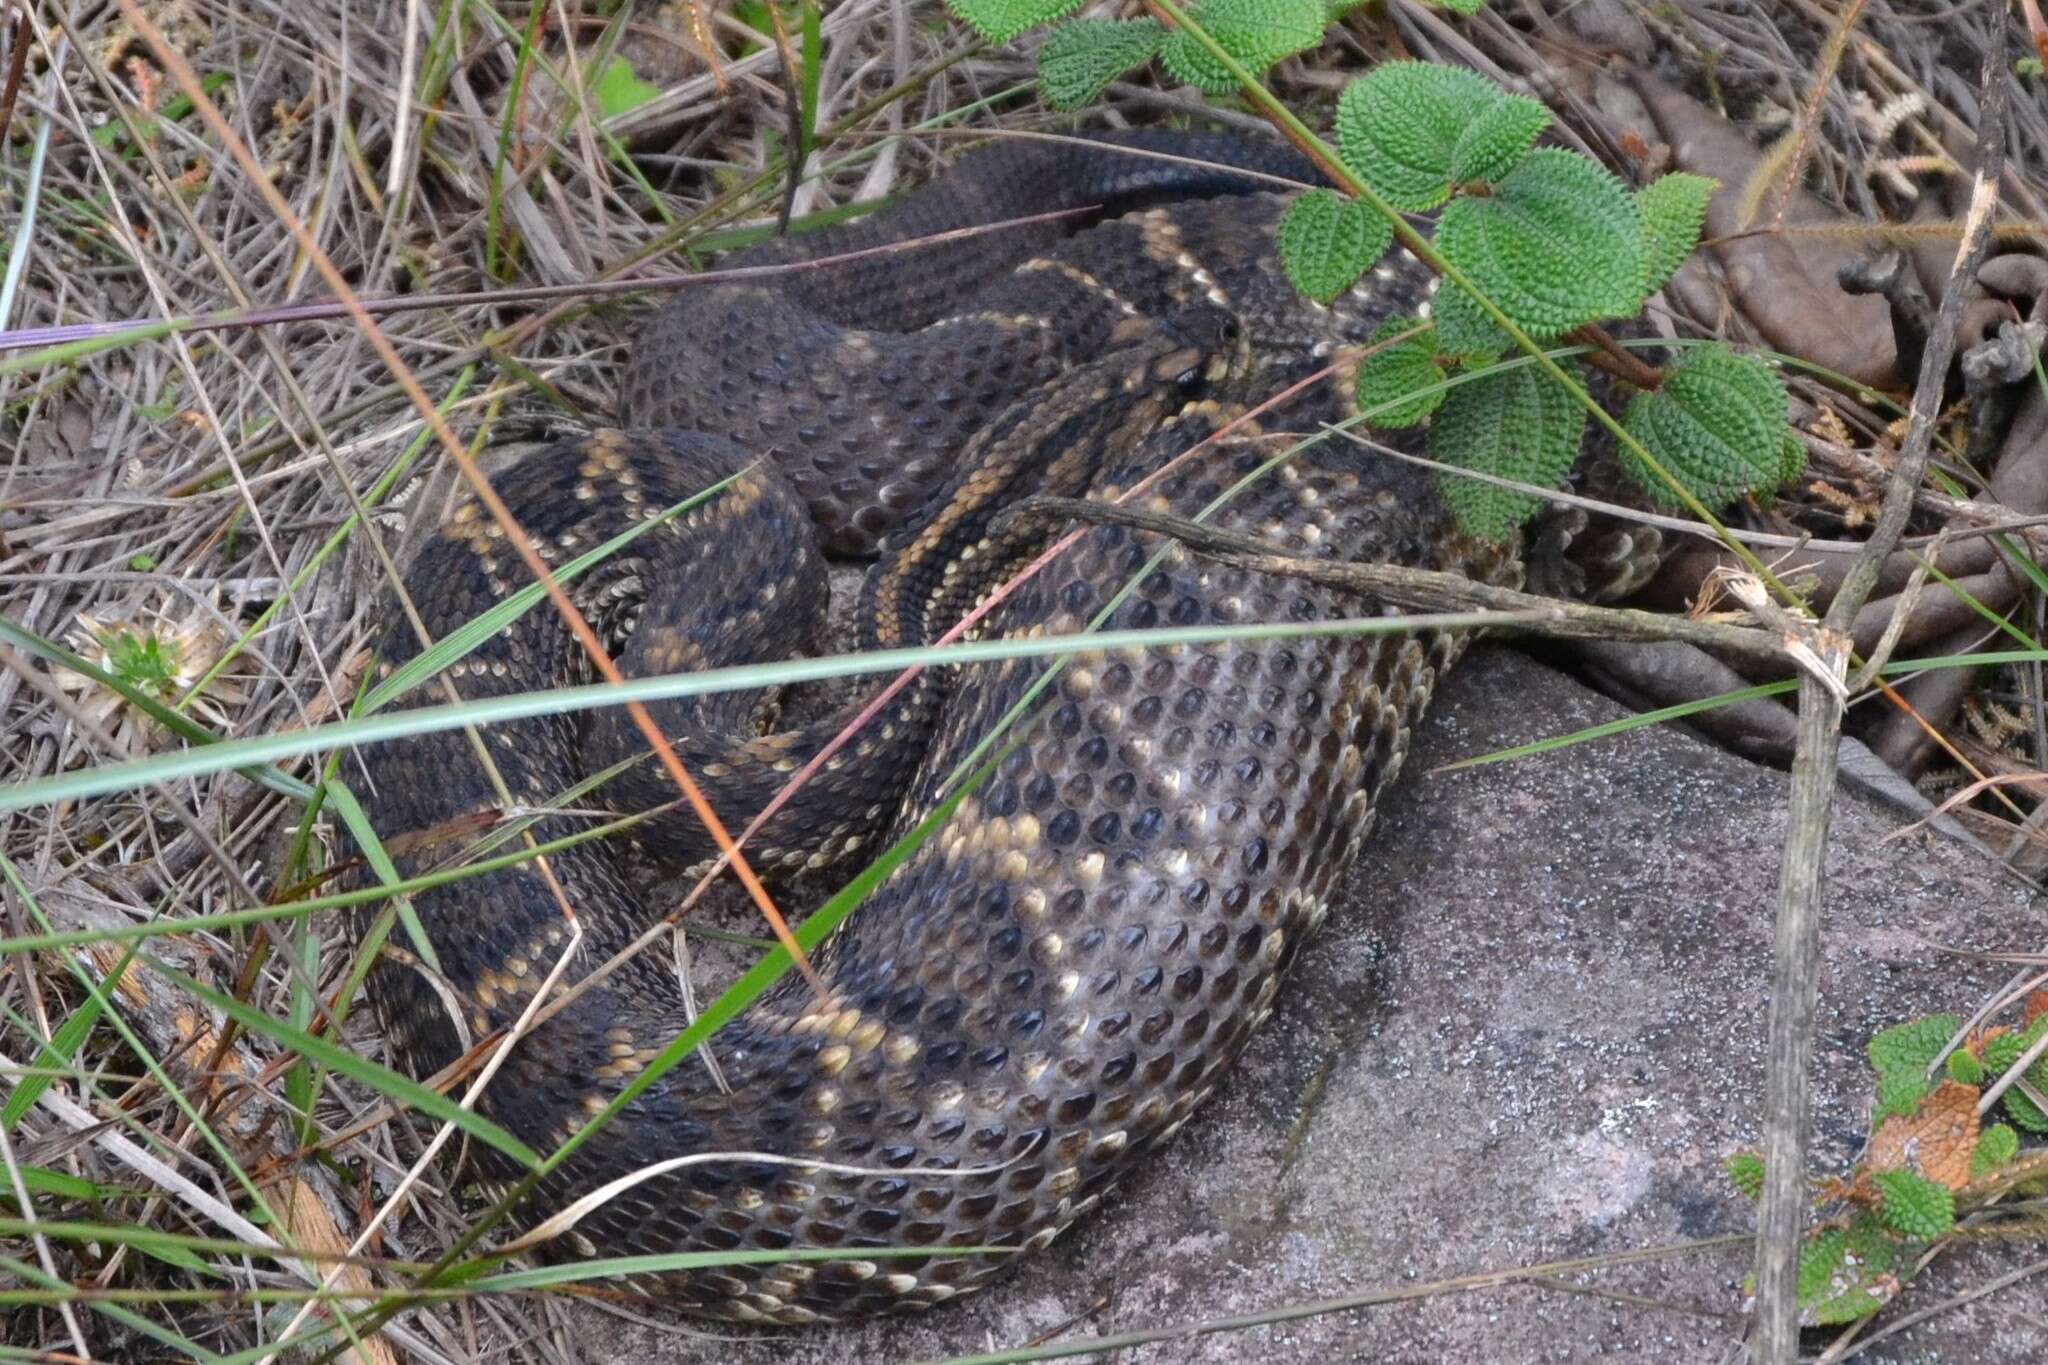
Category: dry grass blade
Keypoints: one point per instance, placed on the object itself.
(94, 514)
(1779, 173)
(430, 153)
(535, 565)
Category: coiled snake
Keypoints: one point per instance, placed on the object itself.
(1056, 979)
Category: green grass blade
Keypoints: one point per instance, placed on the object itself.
(1622, 726)
(58, 1052)
(460, 643)
(401, 1091)
(156, 1332)
(261, 749)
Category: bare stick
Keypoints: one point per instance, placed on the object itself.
(1424, 589)
(1795, 984)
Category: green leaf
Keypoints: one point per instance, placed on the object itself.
(1490, 145)
(2024, 1111)
(2001, 1052)
(1856, 1258)
(1745, 1172)
(1791, 461)
(1856, 1302)
(1838, 1272)
(1915, 1206)
(1965, 1068)
(1912, 1047)
(618, 90)
(1326, 242)
(1460, 6)
(1558, 244)
(1996, 1145)
(1083, 56)
(1515, 423)
(1871, 1244)
(1463, 328)
(1673, 207)
(1398, 385)
(1398, 126)
(1257, 33)
(1819, 1259)
(1001, 20)
(1718, 425)
(1900, 1092)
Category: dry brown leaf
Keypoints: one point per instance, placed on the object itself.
(1937, 1141)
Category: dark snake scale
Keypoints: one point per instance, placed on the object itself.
(1055, 980)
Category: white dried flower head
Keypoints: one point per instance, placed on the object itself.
(162, 651)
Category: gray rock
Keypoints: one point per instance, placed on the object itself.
(1534, 1034)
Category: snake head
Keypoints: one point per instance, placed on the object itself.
(1214, 348)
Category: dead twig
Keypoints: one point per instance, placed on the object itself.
(1781, 1217)
(1424, 589)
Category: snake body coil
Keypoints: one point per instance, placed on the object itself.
(1057, 978)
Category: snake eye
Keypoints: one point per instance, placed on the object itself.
(1192, 382)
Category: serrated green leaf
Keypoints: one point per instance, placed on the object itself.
(1081, 57)
(1398, 383)
(1853, 1293)
(1490, 145)
(1911, 1048)
(1745, 1172)
(1673, 207)
(1558, 244)
(1398, 126)
(2001, 1052)
(1996, 1145)
(1915, 1206)
(1791, 460)
(1871, 1245)
(1965, 1068)
(1326, 242)
(1718, 425)
(1900, 1092)
(1001, 20)
(1257, 33)
(1839, 1272)
(2024, 1111)
(1515, 423)
(1819, 1259)
(1856, 1302)
(619, 90)
(1463, 329)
